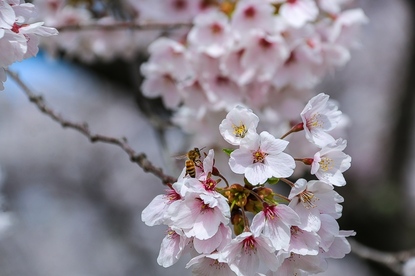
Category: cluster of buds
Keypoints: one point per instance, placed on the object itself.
(266, 54)
(288, 235)
(18, 35)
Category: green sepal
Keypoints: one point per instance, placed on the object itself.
(273, 180)
(228, 151)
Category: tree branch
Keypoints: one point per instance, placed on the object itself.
(124, 25)
(393, 260)
(139, 158)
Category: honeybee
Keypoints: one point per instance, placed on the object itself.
(193, 160)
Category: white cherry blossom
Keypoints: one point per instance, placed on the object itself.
(320, 116)
(200, 215)
(275, 222)
(330, 162)
(252, 14)
(340, 246)
(332, 6)
(174, 244)
(262, 55)
(239, 123)
(19, 33)
(261, 157)
(304, 242)
(155, 212)
(298, 12)
(301, 265)
(245, 252)
(210, 265)
(311, 199)
(216, 242)
(211, 34)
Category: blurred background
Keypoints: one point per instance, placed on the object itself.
(76, 206)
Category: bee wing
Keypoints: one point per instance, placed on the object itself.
(180, 156)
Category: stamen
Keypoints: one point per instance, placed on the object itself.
(314, 121)
(269, 213)
(259, 156)
(210, 184)
(240, 131)
(326, 164)
(249, 244)
(308, 199)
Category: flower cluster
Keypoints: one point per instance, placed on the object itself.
(18, 36)
(294, 238)
(89, 44)
(113, 35)
(265, 54)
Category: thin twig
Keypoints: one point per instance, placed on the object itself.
(393, 260)
(83, 128)
(125, 26)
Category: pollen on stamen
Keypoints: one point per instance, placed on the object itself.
(210, 184)
(259, 156)
(308, 199)
(249, 244)
(171, 233)
(172, 195)
(240, 131)
(269, 213)
(326, 164)
(314, 121)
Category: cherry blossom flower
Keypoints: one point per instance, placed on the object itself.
(169, 56)
(18, 33)
(304, 242)
(296, 264)
(298, 12)
(245, 252)
(209, 265)
(262, 157)
(155, 212)
(251, 14)
(161, 84)
(332, 6)
(340, 246)
(328, 231)
(200, 215)
(330, 162)
(275, 222)
(262, 55)
(172, 247)
(319, 117)
(346, 27)
(312, 198)
(211, 34)
(239, 123)
(216, 242)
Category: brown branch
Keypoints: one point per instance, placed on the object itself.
(83, 128)
(124, 25)
(393, 260)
